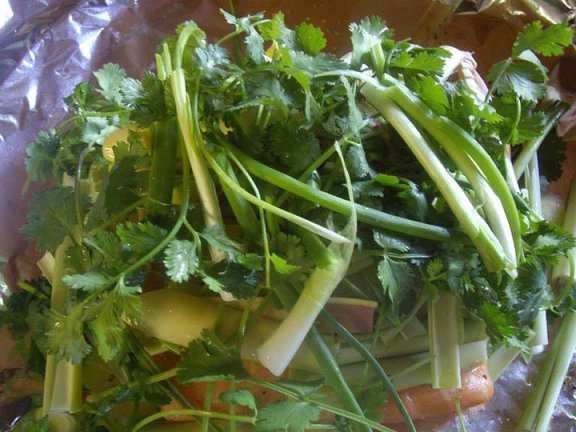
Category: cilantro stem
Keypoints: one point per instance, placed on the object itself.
(78, 193)
(241, 208)
(365, 214)
(371, 360)
(70, 119)
(238, 32)
(187, 121)
(121, 215)
(503, 68)
(192, 412)
(263, 227)
(154, 379)
(171, 235)
(323, 406)
(207, 405)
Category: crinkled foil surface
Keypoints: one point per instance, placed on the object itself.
(49, 46)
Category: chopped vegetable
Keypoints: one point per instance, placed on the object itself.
(204, 217)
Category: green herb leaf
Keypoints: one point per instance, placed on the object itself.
(208, 358)
(88, 281)
(110, 78)
(65, 337)
(310, 38)
(52, 217)
(241, 397)
(140, 237)
(235, 278)
(293, 416)
(396, 278)
(41, 155)
(547, 42)
(525, 77)
(181, 260)
(281, 265)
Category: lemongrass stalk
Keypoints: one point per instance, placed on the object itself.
(414, 369)
(290, 217)
(459, 145)
(443, 330)
(280, 348)
(500, 359)
(326, 361)
(532, 177)
(63, 379)
(472, 223)
(46, 264)
(365, 214)
(538, 412)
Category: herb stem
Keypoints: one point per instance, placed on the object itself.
(365, 214)
(192, 412)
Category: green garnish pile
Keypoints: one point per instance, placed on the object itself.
(261, 168)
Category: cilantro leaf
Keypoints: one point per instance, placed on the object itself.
(432, 93)
(235, 278)
(216, 237)
(255, 46)
(213, 284)
(97, 129)
(52, 217)
(241, 397)
(310, 38)
(40, 157)
(547, 42)
(391, 243)
(109, 335)
(418, 59)
(125, 180)
(366, 35)
(66, 337)
(128, 303)
(293, 146)
(181, 260)
(395, 277)
(293, 416)
(281, 265)
(110, 78)
(140, 237)
(88, 281)
(550, 241)
(524, 76)
(208, 358)
(146, 99)
(108, 252)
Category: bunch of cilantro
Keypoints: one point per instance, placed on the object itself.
(226, 181)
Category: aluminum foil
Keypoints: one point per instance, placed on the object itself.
(48, 46)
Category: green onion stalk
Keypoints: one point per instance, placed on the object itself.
(540, 407)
